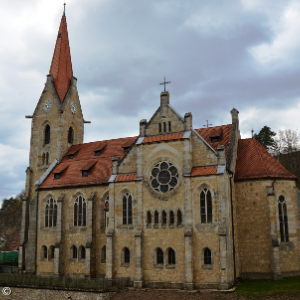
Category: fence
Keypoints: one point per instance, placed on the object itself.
(22, 280)
(8, 269)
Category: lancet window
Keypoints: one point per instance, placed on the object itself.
(127, 209)
(47, 134)
(283, 219)
(207, 256)
(159, 256)
(80, 212)
(51, 213)
(206, 206)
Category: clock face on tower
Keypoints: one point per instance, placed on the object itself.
(73, 107)
(47, 105)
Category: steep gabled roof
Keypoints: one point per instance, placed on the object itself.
(99, 174)
(254, 161)
(224, 130)
(61, 65)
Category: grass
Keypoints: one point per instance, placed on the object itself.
(263, 288)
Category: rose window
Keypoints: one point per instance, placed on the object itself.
(164, 177)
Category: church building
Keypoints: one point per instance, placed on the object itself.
(173, 206)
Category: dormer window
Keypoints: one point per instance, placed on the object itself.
(215, 135)
(88, 168)
(100, 148)
(72, 153)
(127, 146)
(126, 149)
(59, 170)
(214, 139)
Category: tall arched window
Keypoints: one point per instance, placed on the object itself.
(70, 135)
(47, 158)
(206, 206)
(44, 252)
(47, 134)
(126, 256)
(103, 254)
(207, 256)
(51, 252)
(80, 212)
(159, 256)
(51, 213)
(164, 217)
(149, 217)
(171, 217)
(43, 159)
(283, 219)
(74, 252)
(156, 217)
(179, 217)
(127, 209)
(171, 257)
(82, 252)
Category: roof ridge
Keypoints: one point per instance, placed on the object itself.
(128, 137)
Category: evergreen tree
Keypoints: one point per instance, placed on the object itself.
(266, 138)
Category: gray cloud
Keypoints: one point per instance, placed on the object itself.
(218, 55)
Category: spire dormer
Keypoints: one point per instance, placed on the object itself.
(61, 65)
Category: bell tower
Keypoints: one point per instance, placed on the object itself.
(57, 124)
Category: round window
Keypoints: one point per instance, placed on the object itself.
(164, 177)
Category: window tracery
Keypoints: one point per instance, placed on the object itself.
(283, 219)
(164, 177)
(51, 213)
(206, 206)
(127, 209)
(80, 212)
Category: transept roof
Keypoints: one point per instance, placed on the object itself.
(254, 161)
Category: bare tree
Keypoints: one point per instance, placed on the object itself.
(288, 140)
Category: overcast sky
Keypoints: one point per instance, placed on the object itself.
(217, 54)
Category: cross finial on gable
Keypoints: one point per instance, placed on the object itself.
(164, 83)
(207, 125)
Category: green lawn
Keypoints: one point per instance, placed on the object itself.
(263, 288)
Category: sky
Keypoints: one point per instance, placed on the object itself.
(218, 54)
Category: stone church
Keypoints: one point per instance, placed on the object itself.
(173, 206)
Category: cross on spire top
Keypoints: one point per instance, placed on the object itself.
(64, 9)
(164, 83)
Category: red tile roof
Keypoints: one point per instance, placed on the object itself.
(254, 161)
(125, 177)
(163, 137)
(60, 168)
(202, 171)
(89, 165)
(61, 66)
(100, 173)
(225, 131)
(128, 144)
(100, 146)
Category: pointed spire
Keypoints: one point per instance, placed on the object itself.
(61, 66)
